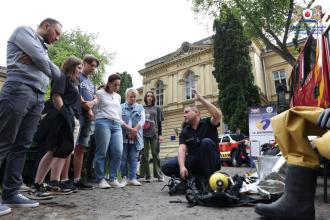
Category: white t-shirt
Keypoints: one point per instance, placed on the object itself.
(108, 106)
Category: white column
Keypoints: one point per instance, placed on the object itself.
(175, 88)
(169, 89)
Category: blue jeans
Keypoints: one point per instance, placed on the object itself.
(108, 139)
(129, 161)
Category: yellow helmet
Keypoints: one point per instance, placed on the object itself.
(219, 182)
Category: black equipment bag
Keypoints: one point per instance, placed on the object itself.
(176, 186)
(199, 193)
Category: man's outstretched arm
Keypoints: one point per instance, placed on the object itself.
(214, 111)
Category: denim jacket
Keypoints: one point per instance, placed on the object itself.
(135, 115)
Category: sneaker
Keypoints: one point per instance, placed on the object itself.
(40, 190)
(24, 188)
(19, 200)
(103, 184)
(161, 179)
(4, 210)
(55, 188)
(116, 184)
(81, 185)
(67, 184)
(124, 181)
(133, 182)
(148, 179)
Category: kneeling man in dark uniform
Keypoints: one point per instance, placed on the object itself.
(198, 143)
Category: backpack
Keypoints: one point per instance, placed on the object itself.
(176, 186)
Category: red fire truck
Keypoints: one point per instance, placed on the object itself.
(310, 79)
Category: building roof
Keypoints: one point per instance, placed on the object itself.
(290, 44)
(163, 59)
(204, 42)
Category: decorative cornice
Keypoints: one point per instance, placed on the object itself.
(172, 73)
(277, 64)
(181, 81)
(162, 67)
(181, 54)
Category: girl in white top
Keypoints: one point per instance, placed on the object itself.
(108, 132)
(108, 106)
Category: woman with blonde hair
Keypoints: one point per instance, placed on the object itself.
(133, 116)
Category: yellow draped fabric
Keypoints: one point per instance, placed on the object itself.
(291, 129)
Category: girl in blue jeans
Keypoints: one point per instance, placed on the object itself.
(108, 132)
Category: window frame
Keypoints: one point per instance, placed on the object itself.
(159, 93)
(189, 84)
(280, 78)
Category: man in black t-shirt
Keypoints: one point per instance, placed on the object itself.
(240, 135)
(241, 148)
(198, 143)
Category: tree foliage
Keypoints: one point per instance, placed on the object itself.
(233, 70)
(80, 43)
(267, 21)
(125, 83)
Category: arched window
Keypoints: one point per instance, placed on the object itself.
(159, 93)
(189, 84)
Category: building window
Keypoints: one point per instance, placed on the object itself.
(279, 77)
(159, 93)
(189, 85)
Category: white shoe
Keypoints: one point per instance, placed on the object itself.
(24, 188)
(116, 184)
(4, 210)
(133, 182)
(124, 181)
(161, 179)
(103, 184)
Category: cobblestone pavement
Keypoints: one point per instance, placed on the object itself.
(144, 202)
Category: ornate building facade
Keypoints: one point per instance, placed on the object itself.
(173, 76)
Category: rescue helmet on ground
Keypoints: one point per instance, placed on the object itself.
(219, 182)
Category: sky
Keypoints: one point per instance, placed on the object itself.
(136, 31)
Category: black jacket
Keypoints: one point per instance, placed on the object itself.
(55, 131)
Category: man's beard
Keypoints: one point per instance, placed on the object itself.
(46, 40)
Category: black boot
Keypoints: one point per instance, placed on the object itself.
(297, 202)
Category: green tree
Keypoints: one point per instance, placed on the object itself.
(233, 70)
(125, 83)
(80, 43)
(265, 21)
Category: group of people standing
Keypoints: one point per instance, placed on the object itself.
(63, 127)
(121, 132)
(74, 110)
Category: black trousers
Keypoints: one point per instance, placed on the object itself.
(241, 149)
(20, 110)
(203, 164)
